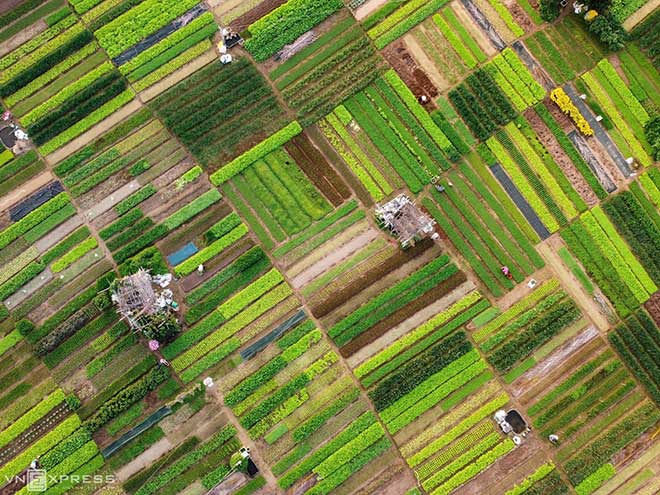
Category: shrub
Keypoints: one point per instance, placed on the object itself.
(149, 259)
(652, 134)
(549, 10)
(609, 31)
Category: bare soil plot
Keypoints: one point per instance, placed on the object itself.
(333, 257)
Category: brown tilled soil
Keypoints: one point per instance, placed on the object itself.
(516, 465)
(404, 313)
(21, 37)
(392, 263)
(520, 16)
(634, 450)
(562, 119)
(566, 165)
(653, 307)
(333, 157)
(317, 169)
(415, 78)
(7, 5)
(243, 21)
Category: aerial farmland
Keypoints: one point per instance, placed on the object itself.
(329, 247)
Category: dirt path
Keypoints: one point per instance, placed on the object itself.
(406, 326)
(100, 128)
(641, 14)
(245, 440)
(22, 36)
(368, 8)
(553, 361)
(145, 459)
(548, 250)
(424, 61)
(109, 201)
(333, 258)
(178, 75)
(25, 189)
(319, 253)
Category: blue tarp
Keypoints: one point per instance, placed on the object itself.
(182, 254)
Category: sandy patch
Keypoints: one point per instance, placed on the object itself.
(145, 459)
(96, 131)
(107, 203)
(25, 189)
(368, 8)
(22, 36)
(178, 75)
(336, 256)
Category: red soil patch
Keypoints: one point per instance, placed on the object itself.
(653, 307)
(415, 78)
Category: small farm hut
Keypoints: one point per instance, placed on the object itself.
(135, 298)
(405, 220)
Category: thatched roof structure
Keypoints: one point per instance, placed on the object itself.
(135, 297)
(405, 220)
